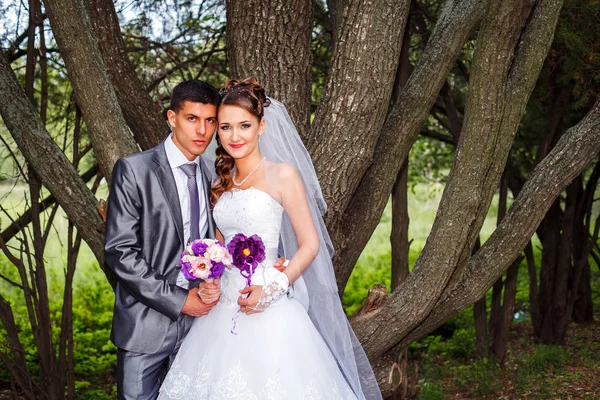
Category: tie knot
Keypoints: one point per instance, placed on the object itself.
(189, 169)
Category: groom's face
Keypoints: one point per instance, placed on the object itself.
(193, 127)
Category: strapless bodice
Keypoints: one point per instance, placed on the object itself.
(251, 212)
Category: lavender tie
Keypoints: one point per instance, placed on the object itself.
(190, 171)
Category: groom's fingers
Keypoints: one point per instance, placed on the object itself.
(279, 264)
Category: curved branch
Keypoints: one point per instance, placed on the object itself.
(94, 92)
(455, 24)
(17, 225)
(572, 154)
(48, 161)
(145, 119)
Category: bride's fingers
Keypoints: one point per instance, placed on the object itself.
(243, 302)
(247, 290)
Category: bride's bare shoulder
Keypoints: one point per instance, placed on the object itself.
(284, 172)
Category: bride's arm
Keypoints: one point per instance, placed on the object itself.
(293, 199)
(296, 205)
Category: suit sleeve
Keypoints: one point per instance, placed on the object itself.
(122, 251)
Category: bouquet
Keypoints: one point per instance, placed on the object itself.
(247, 253)
(205, 259)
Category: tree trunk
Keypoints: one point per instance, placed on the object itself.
(271, 40)
(482, 338)
(352, 227)
(400, 220)
(364, 62)
(95, 96)
(583, 310)
(143, 116)
(49, 162)
(573, 153)
(506, 317)
(496, 310)
(399, 236)
(480, 157)
(533, 288)
(550, 242)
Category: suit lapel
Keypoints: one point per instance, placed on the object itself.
(167, 183)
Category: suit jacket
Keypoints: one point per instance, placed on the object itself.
(144, 239)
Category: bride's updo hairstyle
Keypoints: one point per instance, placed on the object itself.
(249, 95)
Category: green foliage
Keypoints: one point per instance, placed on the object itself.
(480, 377)
(94, 354)
(430, 391)
(537, 364)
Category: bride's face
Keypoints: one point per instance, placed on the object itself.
(239, 130)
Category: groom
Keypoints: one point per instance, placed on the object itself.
(159, 201)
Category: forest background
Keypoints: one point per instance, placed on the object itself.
(456, 143)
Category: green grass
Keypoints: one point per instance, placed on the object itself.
(374, 264)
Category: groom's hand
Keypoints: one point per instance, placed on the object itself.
(280, 264)
(195, 307)
(209, 292)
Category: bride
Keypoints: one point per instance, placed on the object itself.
(285, 336)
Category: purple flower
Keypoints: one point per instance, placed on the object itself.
(216, 270)
(198, 247)
(198, 262)
(186, 266)
(247, 253)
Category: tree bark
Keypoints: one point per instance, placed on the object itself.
(356, 98)
(534, 304)
(49, 162)
(354, 224)
(94, 93)
(143, 116)
(573, 153)
(506, 317)
(399, 236)
(482, 337)
(271, 40)
(400, 220)
(480, 158)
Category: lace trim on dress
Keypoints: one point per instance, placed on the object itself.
(234, 386)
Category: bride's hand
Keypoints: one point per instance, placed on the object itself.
(248, 304)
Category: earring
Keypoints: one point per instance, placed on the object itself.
(259, 137)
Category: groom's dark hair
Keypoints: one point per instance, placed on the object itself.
(195, 91)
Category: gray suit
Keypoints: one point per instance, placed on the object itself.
(144, 238)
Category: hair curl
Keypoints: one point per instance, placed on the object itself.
(249, 95)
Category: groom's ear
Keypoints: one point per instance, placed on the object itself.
(171, 118)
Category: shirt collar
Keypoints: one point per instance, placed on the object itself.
(175, 156)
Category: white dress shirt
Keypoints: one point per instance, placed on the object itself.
(176, 159)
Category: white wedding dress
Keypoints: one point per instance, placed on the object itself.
(274, 355)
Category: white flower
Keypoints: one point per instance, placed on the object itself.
(216, 253)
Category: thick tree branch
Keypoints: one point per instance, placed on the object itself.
(273, 43)
(480, 158)
(95, 96)
(48, 161)
(356, 97)
(573, 153)
(142, 115)
(400, 131)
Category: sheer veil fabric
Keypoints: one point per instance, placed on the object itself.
(316, 289)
